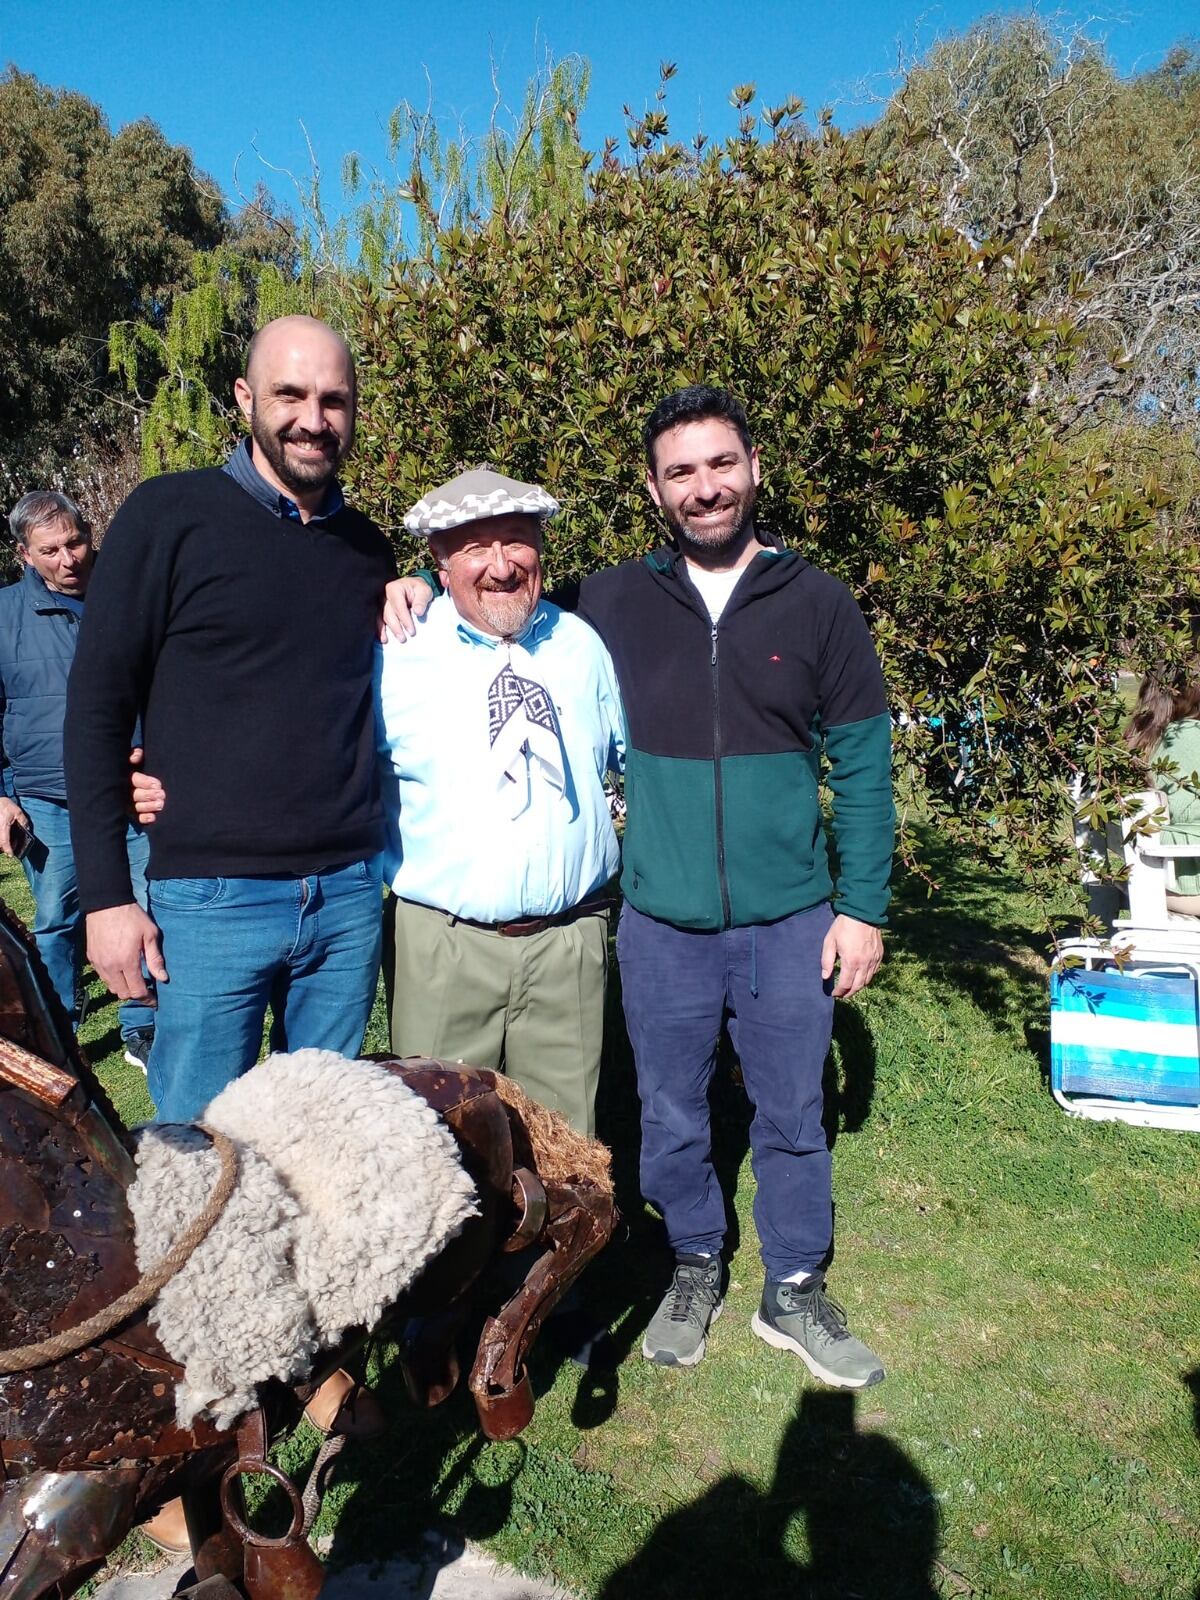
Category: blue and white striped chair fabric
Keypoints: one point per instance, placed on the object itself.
(1125, 1040)
(1129, 1035)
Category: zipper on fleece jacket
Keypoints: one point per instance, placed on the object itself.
(722, 880)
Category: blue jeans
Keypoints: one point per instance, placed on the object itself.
(307, 947)
(58, 926)
(678, 988)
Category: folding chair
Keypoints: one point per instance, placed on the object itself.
(1125, 1010)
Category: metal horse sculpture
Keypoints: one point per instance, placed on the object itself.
(89, 1445)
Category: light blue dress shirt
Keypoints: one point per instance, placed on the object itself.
(453, 842)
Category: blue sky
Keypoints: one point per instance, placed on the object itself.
(228, 78)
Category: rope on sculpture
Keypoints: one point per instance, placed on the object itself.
(24, 1358)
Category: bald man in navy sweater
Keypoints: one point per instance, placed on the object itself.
(236, 608)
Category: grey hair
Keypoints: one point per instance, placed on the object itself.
(39, 507)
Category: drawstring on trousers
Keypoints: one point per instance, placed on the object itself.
(754, 962)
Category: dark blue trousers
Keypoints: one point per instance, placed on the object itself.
(678, 988)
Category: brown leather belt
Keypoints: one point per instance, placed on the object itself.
(522, 927)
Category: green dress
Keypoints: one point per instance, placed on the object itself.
(1180, 745)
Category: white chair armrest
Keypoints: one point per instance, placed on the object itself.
(1154, 850)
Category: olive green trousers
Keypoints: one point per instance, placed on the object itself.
(532, 1006)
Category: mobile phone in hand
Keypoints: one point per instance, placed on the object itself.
(20, 839)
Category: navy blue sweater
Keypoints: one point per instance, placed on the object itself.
(248, 639)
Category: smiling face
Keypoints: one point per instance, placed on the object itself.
(492, 570)
(298, 396)
(704, 480)
(61, 554)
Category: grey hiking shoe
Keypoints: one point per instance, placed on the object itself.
(675, 1337)
(802, 1318)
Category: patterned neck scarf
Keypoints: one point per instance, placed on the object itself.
(523, 731)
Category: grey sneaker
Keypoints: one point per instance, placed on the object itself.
(137, 1047)
(802, 1318)
(675, 1337)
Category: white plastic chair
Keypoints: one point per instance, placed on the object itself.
(1154, 900)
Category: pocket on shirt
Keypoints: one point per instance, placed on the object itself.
(186, 894)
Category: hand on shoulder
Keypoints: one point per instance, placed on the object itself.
(405, 601)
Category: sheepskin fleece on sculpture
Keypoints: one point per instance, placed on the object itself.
(235, 1314)
(349, 1184)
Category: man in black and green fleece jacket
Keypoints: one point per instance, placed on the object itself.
(739, 664)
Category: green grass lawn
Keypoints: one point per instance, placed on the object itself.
(1031, 1281)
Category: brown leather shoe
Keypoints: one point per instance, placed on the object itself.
(342, 1406)
(167, 1529)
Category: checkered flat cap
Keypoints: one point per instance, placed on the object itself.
(474, 495)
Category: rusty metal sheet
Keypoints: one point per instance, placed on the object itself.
(56, 1527)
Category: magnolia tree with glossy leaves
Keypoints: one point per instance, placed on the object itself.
(890, 372)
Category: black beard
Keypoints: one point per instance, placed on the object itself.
(705, 549)
(300, 478)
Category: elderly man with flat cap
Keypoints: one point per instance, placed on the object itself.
(497, 723)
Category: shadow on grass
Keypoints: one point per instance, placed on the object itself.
(849, 1080)
(964, 934)
(1037, 1042)
(391, 1491)
(1191, 1381)
(867, 1515)
(106, 1045)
